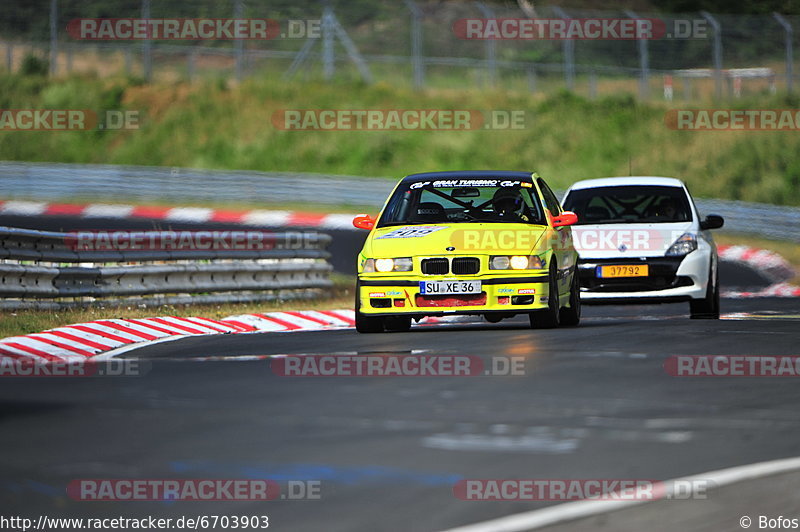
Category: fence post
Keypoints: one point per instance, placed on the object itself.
(10, 56)
(53, 37)
(328, 66)
(147, 49)
(491, 46)
(416, 44)
(717, 52)
(787, 28)
(569, 53)
(238, 44)
(644, 63)
(190, 64)
(531, 79)
(129, 59)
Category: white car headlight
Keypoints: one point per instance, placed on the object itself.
(519, 262)
(516, 262)
(683, 246)
(384, 265)
(401, 264)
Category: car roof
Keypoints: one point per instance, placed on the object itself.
(627, 181)
(470, 174)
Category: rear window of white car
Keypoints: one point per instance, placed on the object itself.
(629, 204)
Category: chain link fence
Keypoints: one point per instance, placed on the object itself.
(415, 43)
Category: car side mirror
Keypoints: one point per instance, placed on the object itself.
(712, 221)
(364, 221)
(565, 218)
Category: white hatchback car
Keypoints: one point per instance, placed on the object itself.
(641, 240)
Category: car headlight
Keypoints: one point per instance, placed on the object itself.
(516, 262)
(401, 264)
(683, 246)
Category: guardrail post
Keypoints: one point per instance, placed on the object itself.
(147, 45)
(491, 46)
(717, 53)
(416, 44)
(53, 37)
(569, 53)
(789, 32)
(644, 63)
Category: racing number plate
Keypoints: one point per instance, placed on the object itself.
(624, 270)
(449, 287)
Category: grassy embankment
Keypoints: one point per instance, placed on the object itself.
(566, 137)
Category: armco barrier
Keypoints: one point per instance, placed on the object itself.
(41, 269)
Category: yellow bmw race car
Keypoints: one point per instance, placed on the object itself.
(485, 243)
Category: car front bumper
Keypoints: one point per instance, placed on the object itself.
(392, 296)
(670, 279)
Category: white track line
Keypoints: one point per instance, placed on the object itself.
(572, 511)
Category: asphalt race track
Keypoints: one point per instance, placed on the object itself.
(595, 402)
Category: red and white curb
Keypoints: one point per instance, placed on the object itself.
(81, 341)
(773, 266)
(264, 218)
(103, 339)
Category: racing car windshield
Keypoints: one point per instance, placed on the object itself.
(629, 204)
(464, 201)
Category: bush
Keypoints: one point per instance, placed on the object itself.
(34, 66)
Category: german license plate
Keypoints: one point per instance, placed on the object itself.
(449, 287)
(623, 270)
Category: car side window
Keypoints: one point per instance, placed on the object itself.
(549, 198)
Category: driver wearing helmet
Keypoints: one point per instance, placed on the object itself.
(508, 203)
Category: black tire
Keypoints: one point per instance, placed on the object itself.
(364, 323)
(397, 323)
(708, 307)
(570, 317)
(550, 317)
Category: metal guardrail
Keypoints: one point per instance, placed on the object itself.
(55, 182)
(41, 265)
(181, 185)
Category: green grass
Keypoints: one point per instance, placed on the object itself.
(212, 125)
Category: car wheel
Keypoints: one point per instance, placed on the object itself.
(571, 316)
(550, 317)
(397, 323)
(364, 323)
(708, 307)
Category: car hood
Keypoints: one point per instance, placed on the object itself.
(473, 238)
(612, 241)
